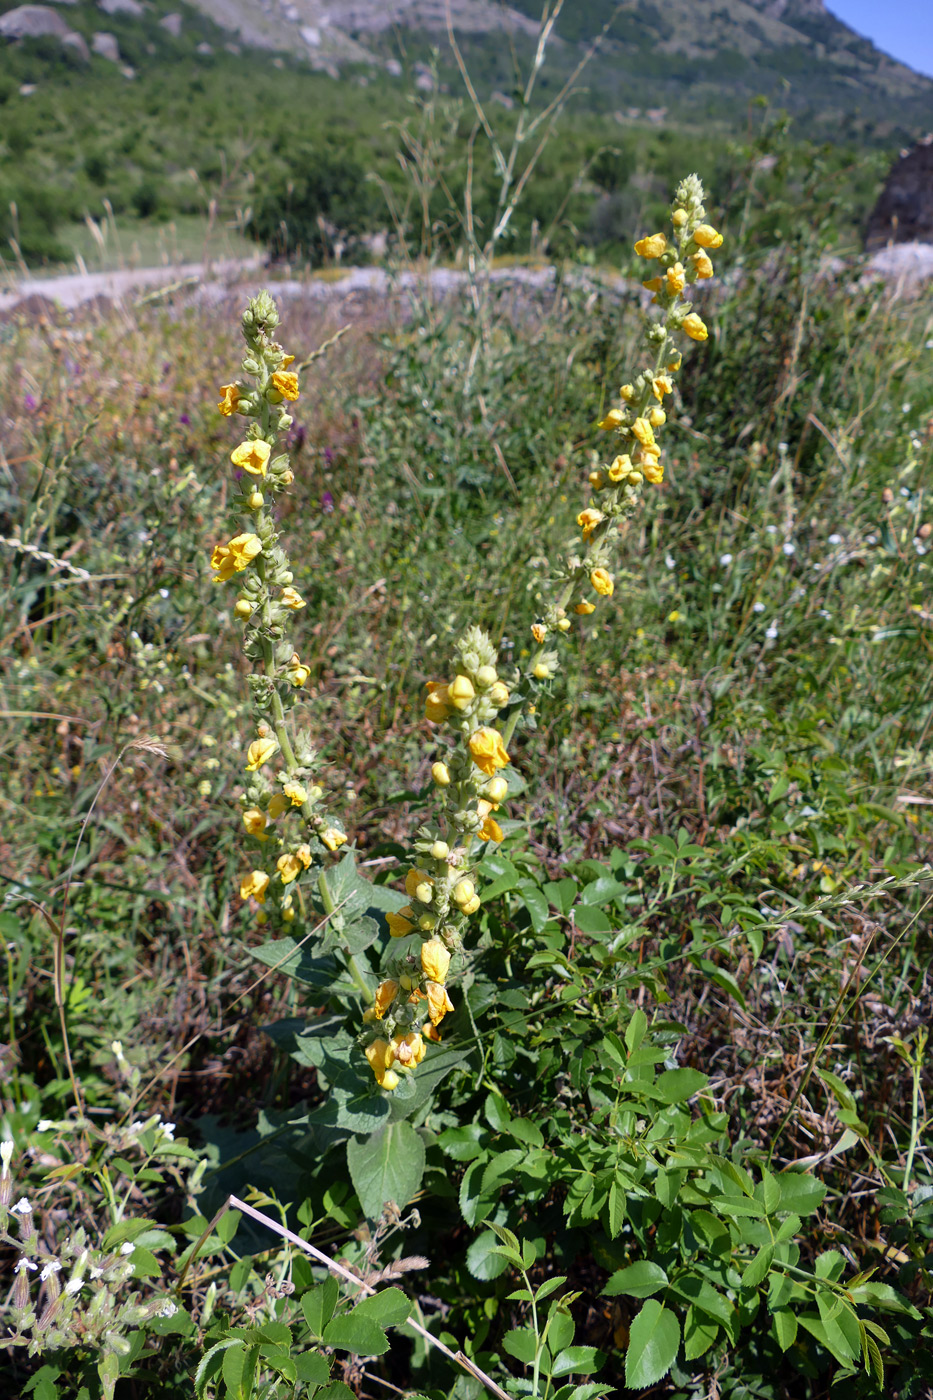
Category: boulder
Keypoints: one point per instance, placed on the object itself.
(32, 22)
(171, 23)
(76, 41)
(120, 7)
(904, 212)
(107, 46)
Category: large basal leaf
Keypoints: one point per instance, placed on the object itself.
(386, 1166)
(323, 975)
(653, 1342)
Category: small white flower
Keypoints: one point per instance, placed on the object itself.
(22, 1207)
(142, 536)
(24, 1264)
(52, 1267)
(127, 1248)
(94, 1273)
(725, 560)
(905, 491)
(168, 1309)
(771, 529)
(163, 592)
(789, 547)
(824, 612)
(771, 632)
(73, 1286)
(758, 607)
(6, 1155)
(871, 539)
(835, 539)
(670, 562)
(44, 1125)
(168, 1129)
(135, 1127)
(117, 1047)
(920, 548)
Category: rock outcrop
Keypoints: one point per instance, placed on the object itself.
(904, 212)
(36, 21)
(107, 46)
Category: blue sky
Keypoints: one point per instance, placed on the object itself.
(902, 28)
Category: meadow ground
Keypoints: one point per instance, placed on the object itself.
(731, 779)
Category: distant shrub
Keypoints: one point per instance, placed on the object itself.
(331, 193)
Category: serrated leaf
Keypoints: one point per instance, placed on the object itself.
(484, 1259)
(784, 1323)
(387, 1308)
(583, 1360)
(348, 1332)
(312, 1367)
(318, 1304)
(521, 1343)
(756, 1272)
(388, 1166)
(699, 1333)
(639, 1280)
(678, 1085)
(654, 1339)
(801, 1193)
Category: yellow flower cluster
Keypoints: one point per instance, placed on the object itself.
(281, 803)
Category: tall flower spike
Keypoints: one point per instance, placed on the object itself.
(469, 779)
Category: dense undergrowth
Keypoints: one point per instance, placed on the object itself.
(724, 836)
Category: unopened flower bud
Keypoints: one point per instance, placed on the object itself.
(427, 922)
(471, 905)
(887, 495)
(440, 850)
(440, 774)
(460, 692)
(424, 892)
(463, 892)
(498, 694)
(243, 608)
(564, 624)
(485, 677)
(497, 790)
(256, 500)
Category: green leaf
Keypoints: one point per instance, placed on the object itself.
(312, 1367)
(653, 1342)
(723, 979)
(521, 1342)
(234, 1366)
(536, 904)
(583, 1360)
(211, 1362)
(602, 891)
(500, 1168)
(318, 1305)
(699, 1333)
(388, 1166)
(526, 1130)
(325, 975)
(388, 1308)
(483, 1258)
(678, 1085)
(756, 1272)
(498, 1113)
(549, 1286)
(637, 1281)
(636, 1029)
(348, 1332)
(784, 1323)
(800, 1192)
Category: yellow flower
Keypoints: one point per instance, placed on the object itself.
(702, 265)
(620, 468)
(675, 362)
(291, 598)
(286, 384)
(295, 793)
(431, 1032)
(652, 247)
(278, 803)
(255, 822)
(409, 1050)
(642, 430)
(333, 838)
(538, 629)
(441, 774)
(233, 558)
(289, 867)
(654, 284)
(436, 707)
(376, 1055)
(259, 752)
(254, 886)
(584, 609)
(230, 399)
(654, 471)
(488, 751)
(695, 327)
(304, 855)
(674, 616)
(413, 879)
(460, 692)
(439, 1003)
(627, 392)
(296, 672)
(676, 279)
(286, 361)
(602, 582)
(398, 926)
(252, 456)
(385, 995)
(613, 419)
(435, 960)
(597, 478)
(705, 236)
(490, 830)
(588, 520)
(542, 671)
(497, 790)
(661, 385)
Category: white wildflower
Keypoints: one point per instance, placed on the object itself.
(52, 1267)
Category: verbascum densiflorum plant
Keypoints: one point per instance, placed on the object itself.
(283, 807)
(480, 706)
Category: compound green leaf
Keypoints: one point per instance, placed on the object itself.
(653, 1342)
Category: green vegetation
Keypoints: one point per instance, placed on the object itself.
(676, 1136)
